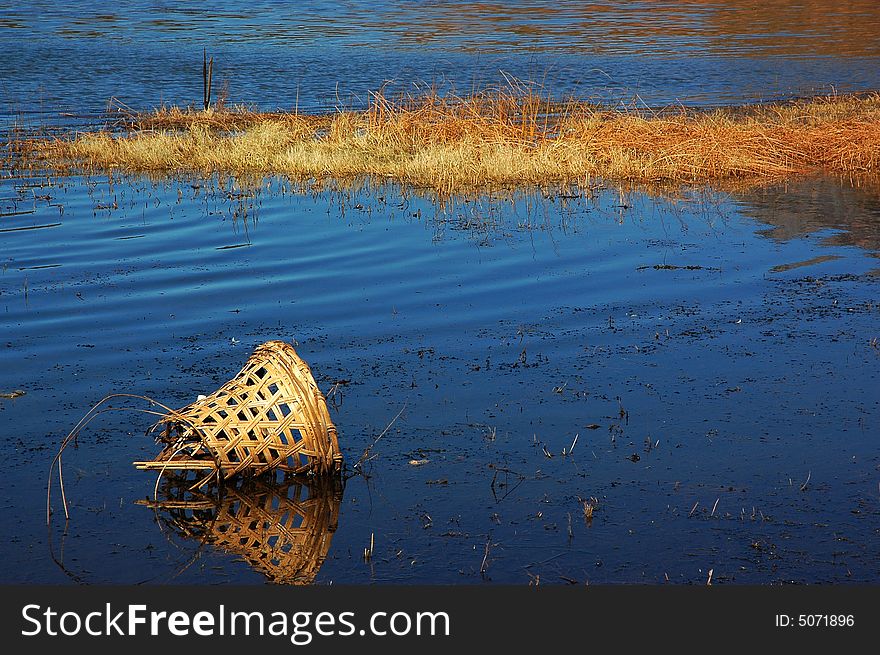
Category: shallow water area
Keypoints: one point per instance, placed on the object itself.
(600, 386)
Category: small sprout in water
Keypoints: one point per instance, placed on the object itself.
(588, 505)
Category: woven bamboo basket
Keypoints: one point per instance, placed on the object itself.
(282, 529)
(270, 416)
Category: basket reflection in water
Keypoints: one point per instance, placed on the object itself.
(280, 525)
(270, 416)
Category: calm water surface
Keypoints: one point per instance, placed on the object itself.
(714, 353)
(74, 56)
(723, 349)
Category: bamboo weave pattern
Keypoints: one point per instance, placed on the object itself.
(282, 529)
(270, 416)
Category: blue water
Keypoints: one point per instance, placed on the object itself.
(715, 353)
(73, 57)
(503, 326)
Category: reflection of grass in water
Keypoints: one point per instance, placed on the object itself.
(511, 136)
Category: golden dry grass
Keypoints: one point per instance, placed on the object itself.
(509, 138)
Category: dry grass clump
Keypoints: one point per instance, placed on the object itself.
(224, 120)
(502, 137)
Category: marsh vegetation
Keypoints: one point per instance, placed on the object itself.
(514, 135)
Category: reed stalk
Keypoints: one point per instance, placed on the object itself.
(207, 75)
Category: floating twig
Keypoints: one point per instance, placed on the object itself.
(807, 481)
(367, 450)
(484, 566)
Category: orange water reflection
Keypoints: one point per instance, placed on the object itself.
(809, 28)
(797, 209)
(714, 27)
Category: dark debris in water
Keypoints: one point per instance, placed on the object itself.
(673, 267)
